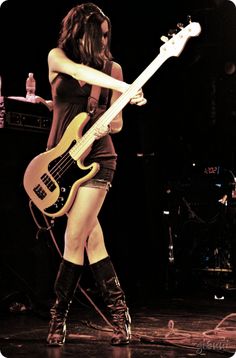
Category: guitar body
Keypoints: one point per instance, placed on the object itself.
(52, 178)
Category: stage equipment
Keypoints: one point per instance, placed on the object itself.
(201, 226)
(23, 115)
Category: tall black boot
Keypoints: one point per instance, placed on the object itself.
(65, 285)
(114, 299)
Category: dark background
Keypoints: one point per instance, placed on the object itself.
(189, 118)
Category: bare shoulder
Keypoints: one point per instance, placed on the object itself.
(116, 71)
(55, 62)
(56, 52)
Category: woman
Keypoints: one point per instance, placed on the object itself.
(84, 78)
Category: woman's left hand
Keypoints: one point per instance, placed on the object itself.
(138, 99)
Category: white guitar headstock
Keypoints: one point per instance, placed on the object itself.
(175, 45)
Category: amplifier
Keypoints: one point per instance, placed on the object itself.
(23, 115)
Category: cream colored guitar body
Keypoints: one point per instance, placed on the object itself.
(52, 178)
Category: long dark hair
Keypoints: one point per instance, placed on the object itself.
(85, 20)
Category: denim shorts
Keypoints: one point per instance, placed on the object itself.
(102, 179)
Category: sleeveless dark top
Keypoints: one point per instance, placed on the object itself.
(69, 99)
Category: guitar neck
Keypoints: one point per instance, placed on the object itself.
(89, 137)
(122, 101)
(171, 48)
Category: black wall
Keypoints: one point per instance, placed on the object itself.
(189, 117)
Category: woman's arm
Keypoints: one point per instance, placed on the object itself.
(58, 62)
(117, 123)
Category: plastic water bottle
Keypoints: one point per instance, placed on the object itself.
(30, 87)
(2, 106)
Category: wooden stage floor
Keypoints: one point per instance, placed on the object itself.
(170, 327)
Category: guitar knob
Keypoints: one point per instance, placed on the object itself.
(164, 39)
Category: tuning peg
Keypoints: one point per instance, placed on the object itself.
(164, 39)
(172, 32)
(180, 25)
(189, 18)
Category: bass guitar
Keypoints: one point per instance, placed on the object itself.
(52, 178)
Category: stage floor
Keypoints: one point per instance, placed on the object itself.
(169, 327)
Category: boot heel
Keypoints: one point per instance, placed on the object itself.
(57, 333)
(122, 328)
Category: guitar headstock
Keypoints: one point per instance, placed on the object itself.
(174, 46)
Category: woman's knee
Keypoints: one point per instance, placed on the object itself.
(95, 240)
(75, 239)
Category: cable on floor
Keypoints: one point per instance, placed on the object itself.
(174, 337)
(224, 332)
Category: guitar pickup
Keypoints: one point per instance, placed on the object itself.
(40, 192)
(48, 182)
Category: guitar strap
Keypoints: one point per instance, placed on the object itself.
(93, 99)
